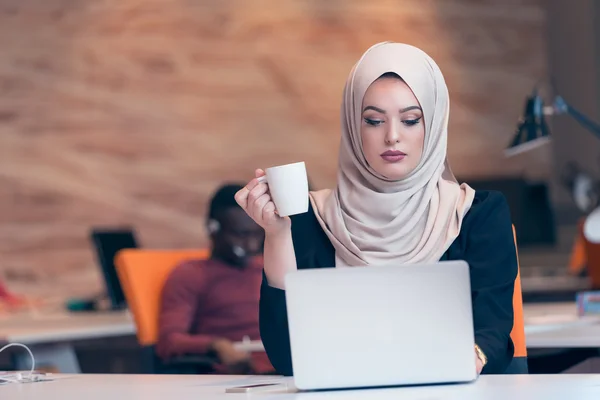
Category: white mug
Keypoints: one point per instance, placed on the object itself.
(288, 185)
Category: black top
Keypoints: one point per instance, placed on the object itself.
(485, 242)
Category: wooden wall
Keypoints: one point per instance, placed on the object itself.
(134, 111)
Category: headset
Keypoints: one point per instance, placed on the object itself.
(214, 226)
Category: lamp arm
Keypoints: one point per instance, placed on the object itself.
(561, 107)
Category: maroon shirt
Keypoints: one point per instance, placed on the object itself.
(203, 300)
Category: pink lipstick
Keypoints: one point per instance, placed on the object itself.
(393, 156)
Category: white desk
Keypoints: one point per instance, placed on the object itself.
(551, 316)
(556, 325)
(60, 327)
(548, 325)
(581, 336)
(183, 387)
(535, 312)
(50, 336)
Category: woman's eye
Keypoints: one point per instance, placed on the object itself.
(411, 122)
(373, 122)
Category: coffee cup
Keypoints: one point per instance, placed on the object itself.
(288, 185)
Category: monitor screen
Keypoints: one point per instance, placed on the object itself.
(107, 243)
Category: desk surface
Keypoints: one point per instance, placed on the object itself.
(547, 325)
(183, 387)
(67, 327)
(556, 325)
(550, 315)
(58, 327)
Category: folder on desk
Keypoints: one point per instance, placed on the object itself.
(588, 303)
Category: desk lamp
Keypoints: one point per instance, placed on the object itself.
(532, 131)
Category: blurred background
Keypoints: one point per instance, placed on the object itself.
(131, 113)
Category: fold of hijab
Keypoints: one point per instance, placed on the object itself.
(371, 220)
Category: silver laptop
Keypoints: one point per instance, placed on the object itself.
(381, 326)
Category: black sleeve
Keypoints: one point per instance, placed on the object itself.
(273, 319)
(491, 254)
(274, 328)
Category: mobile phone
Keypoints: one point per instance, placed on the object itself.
(254, 388)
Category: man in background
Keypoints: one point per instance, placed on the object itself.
(208, 305)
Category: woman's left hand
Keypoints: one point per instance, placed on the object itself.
(478, 363)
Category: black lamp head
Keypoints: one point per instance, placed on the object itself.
(532, 130)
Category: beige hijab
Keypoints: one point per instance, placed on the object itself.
(372, 220)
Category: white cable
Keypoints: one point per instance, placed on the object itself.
(18, 376)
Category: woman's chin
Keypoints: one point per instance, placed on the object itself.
(394, 172)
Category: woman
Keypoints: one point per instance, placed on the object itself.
(396, 200)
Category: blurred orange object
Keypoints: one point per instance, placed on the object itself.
(10, 299)
(578, 260)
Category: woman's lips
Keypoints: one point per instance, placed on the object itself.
(393, 156)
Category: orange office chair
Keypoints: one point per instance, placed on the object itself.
(142, 274)
(592, 252)
(519, 362)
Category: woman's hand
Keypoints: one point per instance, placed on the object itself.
(279, 257)
(478, 363)
(256, 201)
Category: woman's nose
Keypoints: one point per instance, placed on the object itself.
(392, 136)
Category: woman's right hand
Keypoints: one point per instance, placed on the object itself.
(256, 201)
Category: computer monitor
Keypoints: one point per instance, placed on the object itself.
(108, 242)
